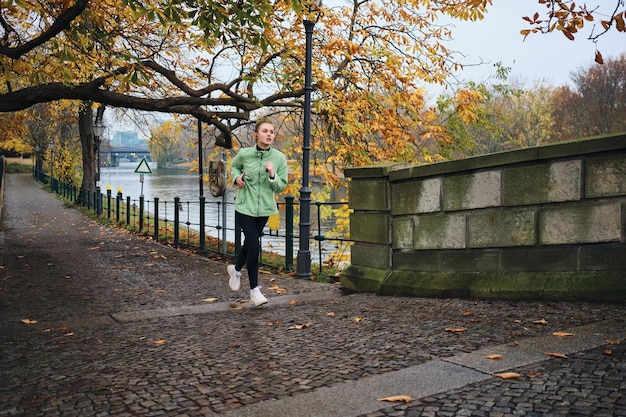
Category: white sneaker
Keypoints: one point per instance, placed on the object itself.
(256, 298)
(234, 279)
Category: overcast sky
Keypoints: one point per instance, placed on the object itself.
(551, 57)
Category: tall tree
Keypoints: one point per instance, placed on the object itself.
(222, 61)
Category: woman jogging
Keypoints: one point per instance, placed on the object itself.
(259, 172)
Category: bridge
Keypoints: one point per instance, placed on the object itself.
(112, 156)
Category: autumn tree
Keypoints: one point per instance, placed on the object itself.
(220, 62)
(570, 17)
(510, 116)
(596, 103)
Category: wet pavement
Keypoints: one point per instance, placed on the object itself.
(96, 321)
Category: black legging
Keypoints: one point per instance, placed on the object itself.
(249, 254)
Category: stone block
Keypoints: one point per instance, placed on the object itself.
(603, 257)
(580, 223)
(419, 284)
(604, 286)
(542, 183)
(540, 258)
(402, 234)
(605, 176)
(368, 194)
(472, 260)
(478, 260)
(370, 255)
(439, 231)
(417, 196)
(508, 286)
(502, 227)
(471, 191)
(370, 227)
(363, 279)
(415, 260)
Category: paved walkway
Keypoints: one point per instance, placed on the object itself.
(98, 322)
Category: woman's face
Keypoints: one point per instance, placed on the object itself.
(265, 135)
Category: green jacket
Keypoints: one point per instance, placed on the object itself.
(256, 198)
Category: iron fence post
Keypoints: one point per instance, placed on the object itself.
(140, 213)
(176, 221)
(202, 221)
(289, 232)
(156, 218)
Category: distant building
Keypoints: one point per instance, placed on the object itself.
(128, 140)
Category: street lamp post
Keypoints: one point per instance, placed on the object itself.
(303, 267)
(51, 146)
(98, 131)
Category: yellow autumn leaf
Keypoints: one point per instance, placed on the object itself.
(237, 306)
(160, 342)
(330, 314)
(28, 321)
(541, 321)
(397, 399)
(613, 342)
(209, 300)
(293, 302)
(607, 352)
(562, 334)
(160, 291)
(468, 313)
(357, 319)
(556, 355)
(494, 357)
(507, 375)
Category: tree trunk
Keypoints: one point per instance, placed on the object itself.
(85, 128)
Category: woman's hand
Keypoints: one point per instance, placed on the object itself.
(269, 167)
(240, 181)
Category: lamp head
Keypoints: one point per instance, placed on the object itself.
(98, 128)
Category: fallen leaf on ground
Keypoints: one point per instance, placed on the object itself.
(293, 302)
(28, 321)
(160, 291)
(160, 342)
(209, 300)
(330, 314)
(357, 319)
(278, 290)
(300, 326)
(507, 375)
(541, 321)
(237, 306)
(556, 355)
(562, 334)
(494, 357)
(455, 329)
(607, 351)
(397, 399)
(468, 313)
(612, 342)
(536, 374)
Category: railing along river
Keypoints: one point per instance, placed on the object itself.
(189, 222)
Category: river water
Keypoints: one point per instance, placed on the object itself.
(166, 184)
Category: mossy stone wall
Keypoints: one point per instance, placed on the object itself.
(539, 223)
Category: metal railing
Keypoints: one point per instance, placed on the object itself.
(171, 222)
